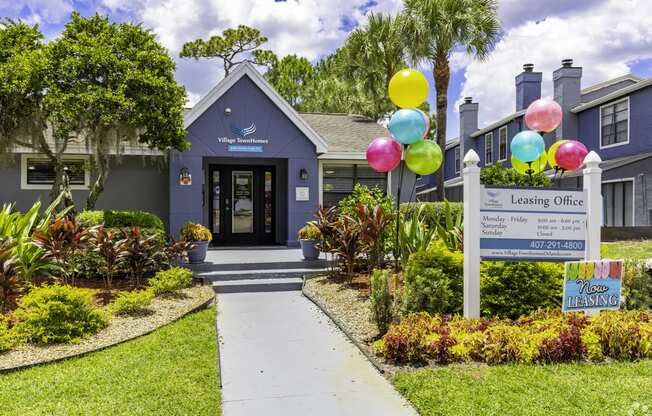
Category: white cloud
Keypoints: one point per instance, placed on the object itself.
(604, 40)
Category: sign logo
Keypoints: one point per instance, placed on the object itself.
(243, 132)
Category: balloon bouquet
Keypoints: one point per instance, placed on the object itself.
(529, 155)
(409, 128)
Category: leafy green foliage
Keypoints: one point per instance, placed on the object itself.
(121, 219)
(108, 248)
(85, 264)
(195, 232)
(363, 195)
(140, 254)
(8, 337)
(452, 231)
(512, 289)
(8, 273)
(433, 280)
(637, 285)
(414, 235)
(347, 242)
(170, 281)
(290, 76)
(499, 175)
(132, 303)
(60, 240)
(381, 300)
(58, 314)
(432, 213)
(309, 232)
(374, 226)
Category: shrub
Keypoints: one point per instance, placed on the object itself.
(309, 232)
(61, 239)
(637, 285)
(432, 213)
(8, 273)
(381, 300)
(347, 242)
(434, 281)
(512, 289)
(140, 254)
(8, 337)
(170, 281)
(132, 303)
(407, 342)
(497, 174)
(85, 264)
(121, 219)
(373, 224)
(374, 197)
(414, 235)
(55, 314)
(195, 232)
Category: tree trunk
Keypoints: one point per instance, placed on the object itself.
(441, 75)
(98, 186)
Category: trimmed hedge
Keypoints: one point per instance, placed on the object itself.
(433, 212)
(121, 219)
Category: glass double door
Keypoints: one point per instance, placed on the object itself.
(242, 205)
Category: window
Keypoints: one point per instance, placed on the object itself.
(618, 200)
(614, 123)
(37, 172)
(502, 144)
(457, 159)
(488, 149)
(339, 180)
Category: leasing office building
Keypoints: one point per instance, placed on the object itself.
(256, 172)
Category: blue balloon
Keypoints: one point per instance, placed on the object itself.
(407, 126)
(527, 146)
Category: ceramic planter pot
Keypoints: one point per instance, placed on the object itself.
(197, 252)
(309, 250)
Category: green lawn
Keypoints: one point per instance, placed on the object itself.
(172, 371)
(568, 389)
(637, 249)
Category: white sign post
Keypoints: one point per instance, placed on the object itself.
(527, 224)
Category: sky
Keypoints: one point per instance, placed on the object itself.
(608, 38)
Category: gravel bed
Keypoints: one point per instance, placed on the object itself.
(120, 329)
(346, 304)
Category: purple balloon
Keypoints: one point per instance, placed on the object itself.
(384, 154)
(570, 155)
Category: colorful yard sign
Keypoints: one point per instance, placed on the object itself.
(532, 224)
(592, 285)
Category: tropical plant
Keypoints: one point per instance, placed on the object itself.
(121, 219)
(195, 232)
(109, 248)
(373, 224)
(347, 243)
(140, 254)
(326, 222)
(434, 29)
(452, 231)
(381, 300)
(61, 239)
(414, 235)
(132, 303)
(170, 281)
(8, 273)
(177, 251)
(309, 232)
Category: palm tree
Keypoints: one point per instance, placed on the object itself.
(433, 29)
(374, 53)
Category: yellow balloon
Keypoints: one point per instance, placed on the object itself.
(551, 152)
(408, 88)
(537, 166)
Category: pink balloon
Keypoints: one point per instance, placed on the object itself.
(384, 154)
(543, 115)
(570, 155)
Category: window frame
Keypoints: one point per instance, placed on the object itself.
(42, 186)
(610, 104)
(620, 180)
(322, 162)
(503, 128)
(457, 159)
(491, 148)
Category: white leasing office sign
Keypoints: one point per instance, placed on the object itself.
(533, 224)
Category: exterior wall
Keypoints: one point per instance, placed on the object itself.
(640, 127)
(528, 88)
(248, 105)
(449, 163)
(134, 183)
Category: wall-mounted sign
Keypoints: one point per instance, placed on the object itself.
(534, 224)
(185, 178)
(245, 149)
(302, 193)
(592, 285)
(243, 141)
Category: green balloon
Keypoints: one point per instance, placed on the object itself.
(423, 157)
(537, 166)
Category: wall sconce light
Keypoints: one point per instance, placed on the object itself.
(185, 178)
(303, 174)
(227, 111)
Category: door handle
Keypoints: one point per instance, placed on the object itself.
(227, 204)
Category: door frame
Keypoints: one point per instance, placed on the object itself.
(259, 236)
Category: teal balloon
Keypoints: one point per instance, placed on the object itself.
(527, 146)
(407, 126)
(424, 157)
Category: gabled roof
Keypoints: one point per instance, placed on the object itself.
(247, 69)
(605, 84)
(450, 143)
(498, 123)
(607, 165)
(614, 95)
(347, 135)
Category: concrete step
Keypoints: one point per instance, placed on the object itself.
(214, 276)
(258, 285)
(283, 265)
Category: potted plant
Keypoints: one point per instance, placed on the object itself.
(309, 236)
(199, 237)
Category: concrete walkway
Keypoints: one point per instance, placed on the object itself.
(281, 356)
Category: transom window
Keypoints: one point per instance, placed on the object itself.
(614, 123)
(339, 180)
(488, 148)
(502, 144)
(457, 159)
(38, 172)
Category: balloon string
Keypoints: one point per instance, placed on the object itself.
(397, 248)
(529, 171)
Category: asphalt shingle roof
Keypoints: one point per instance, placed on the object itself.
(345, 132)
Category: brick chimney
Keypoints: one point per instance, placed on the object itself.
(468, 125)
(528, 87)
(567, 82)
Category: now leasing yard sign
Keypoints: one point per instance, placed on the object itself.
(532, 224)
(592, 285)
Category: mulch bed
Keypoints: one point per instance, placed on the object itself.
(164, 310)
